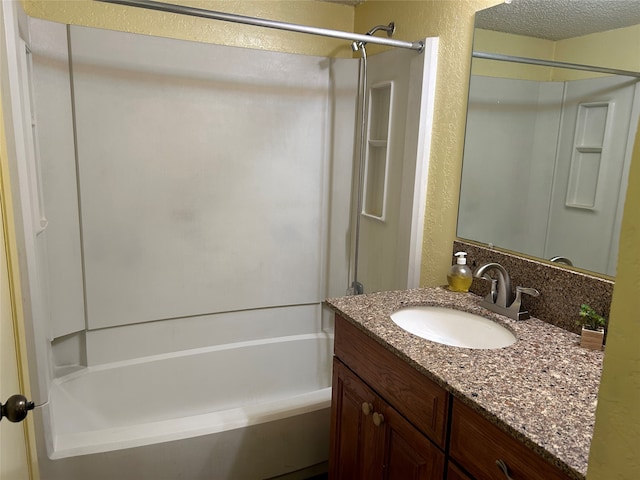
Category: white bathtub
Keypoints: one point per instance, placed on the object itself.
(246, 410)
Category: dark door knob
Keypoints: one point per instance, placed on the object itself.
(16, 408)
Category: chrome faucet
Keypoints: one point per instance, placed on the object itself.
(561, 259)
(501, 299)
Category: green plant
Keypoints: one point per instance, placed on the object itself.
(590, 319)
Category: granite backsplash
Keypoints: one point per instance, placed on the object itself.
(562, 291)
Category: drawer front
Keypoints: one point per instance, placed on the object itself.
(477, 444)
(417, 398)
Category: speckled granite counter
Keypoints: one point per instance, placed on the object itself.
(542, 390)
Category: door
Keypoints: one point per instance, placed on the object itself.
(17, 452)
(13, 454)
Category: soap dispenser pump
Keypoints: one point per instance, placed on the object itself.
(460, 275)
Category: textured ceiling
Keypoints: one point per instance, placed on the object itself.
(559, 19)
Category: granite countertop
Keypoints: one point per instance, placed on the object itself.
(542, 390)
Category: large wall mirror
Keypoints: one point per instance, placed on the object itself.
(547, 149)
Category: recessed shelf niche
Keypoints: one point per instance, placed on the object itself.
(376, 159)
(591, 127)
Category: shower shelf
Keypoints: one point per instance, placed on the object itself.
(376, 167)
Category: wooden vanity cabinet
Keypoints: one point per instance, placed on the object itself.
(388, 420)
(454, 473)
(417, 398)
(477, 445)
(371, 440)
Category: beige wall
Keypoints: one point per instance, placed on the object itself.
(137, 20)
(516, 45)
(615, 450)
(618, 48)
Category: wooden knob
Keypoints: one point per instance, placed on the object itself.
(366, 408)
(378, 419)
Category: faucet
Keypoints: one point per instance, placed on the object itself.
(504, 297)
(501, 299)
(561, 259)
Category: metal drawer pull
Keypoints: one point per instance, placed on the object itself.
(378, 419)
(503, 466)
(366, 408)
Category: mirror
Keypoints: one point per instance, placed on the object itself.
(547, 149)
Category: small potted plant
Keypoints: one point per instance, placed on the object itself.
(593, 324)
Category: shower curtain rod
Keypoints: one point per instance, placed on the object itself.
(261, 22)
(552, 63)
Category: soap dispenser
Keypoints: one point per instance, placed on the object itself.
(460, 275)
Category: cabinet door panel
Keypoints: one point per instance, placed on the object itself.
(353, 435)
(408, 455)
(454, 473)
(424, 403)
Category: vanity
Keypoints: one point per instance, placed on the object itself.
(408, 408)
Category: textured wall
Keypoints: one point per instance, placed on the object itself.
(614, 450)
(508, 44)
(129, 19)
(618, 48)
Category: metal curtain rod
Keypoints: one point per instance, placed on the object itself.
(261, 22)
(552, 63)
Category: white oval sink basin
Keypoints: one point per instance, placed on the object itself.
(453, 327)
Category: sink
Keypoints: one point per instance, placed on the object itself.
(453, 327)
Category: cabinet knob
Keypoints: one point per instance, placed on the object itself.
(378, 419)
(367, 408)
(503, 466)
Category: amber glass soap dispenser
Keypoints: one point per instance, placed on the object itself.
(460, 275)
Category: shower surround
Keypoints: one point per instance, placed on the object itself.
(187, 210)
(191, 194)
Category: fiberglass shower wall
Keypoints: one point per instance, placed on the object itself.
(198, 208)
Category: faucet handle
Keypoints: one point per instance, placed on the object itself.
(517, 303)
(529, 291)
(493, 294)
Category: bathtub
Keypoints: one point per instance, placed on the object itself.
(254, 409)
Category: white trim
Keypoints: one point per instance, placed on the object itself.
(423, 154)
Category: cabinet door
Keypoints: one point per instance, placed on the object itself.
(420, 400)
(454, 473)
(407, 454)
(354, 437)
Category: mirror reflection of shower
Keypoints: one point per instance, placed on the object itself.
(527, 57)
(545, 166)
